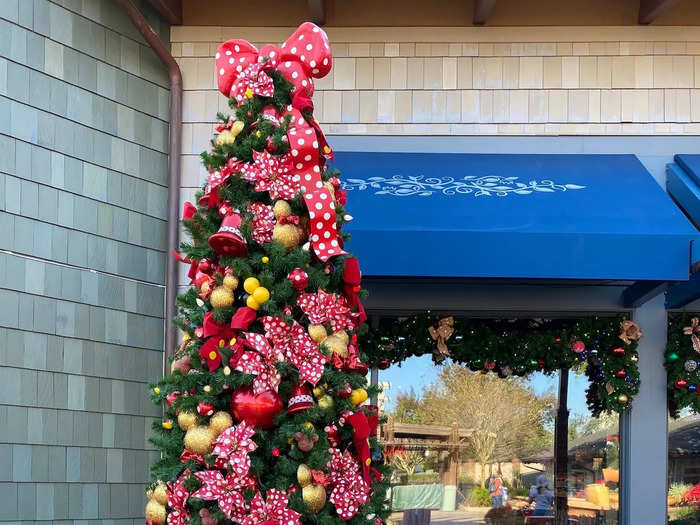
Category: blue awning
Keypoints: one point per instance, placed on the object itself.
(512, 216)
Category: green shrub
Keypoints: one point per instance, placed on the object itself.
(678, 490)
(685, 516)
(521, 492)
(424, 477)
(479, 497)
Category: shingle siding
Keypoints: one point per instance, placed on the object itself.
(83, 192)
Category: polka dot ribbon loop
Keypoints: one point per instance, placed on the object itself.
(177, 498)
(263, 223)
(260, 363)
(305, 55)
(232, 448)
(304, 151)
(322, 307)
(349, 488)
(226, 491)
(274, 510)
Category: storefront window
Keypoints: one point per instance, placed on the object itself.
(484, 427)
(684, 468)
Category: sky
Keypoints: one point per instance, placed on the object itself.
(419, 372)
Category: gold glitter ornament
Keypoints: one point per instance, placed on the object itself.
(200, 440)
(314, 497)
(326, 402)
(160, 494)
(155, 512)
(282, 209)
(220, 422)
(221, 297)
(230, 282)
(186, 420)
(225, 137)
(336, 344)
(317, 332)
(288, 235)
(304, 475)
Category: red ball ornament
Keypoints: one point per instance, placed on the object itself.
(621, 373)
(299, 279)
(557, 339)
(618, 351)
(345, 391)
(225, 209)
(681, 383)
(276, 452)
(258, 410)
(489, 365)
(344, 417)
(204, 266)
(205, 409)
(540, 363)
(383, 364)
(172, 396)
(578, 346)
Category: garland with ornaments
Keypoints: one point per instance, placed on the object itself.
(602, 347)
(266, 418)
(682, 362)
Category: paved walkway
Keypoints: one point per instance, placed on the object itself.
(473, 516)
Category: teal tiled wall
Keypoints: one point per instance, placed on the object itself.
(83, 192)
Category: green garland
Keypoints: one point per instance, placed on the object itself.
(521, 347)
(682, 365)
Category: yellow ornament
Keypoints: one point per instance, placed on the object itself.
(327, 149)
(326, 402)
(221, 297)
(225, 137)
(250, 284)
(358, 396)
(220, 422)
(149, 494)
(319, 392)
(261, 295)
(314, 496)
(160, 494)
(167, 424)
(186, 420)
(156, 390)
(252, 303)
(317, 332)
(206, 388)
(155, 512)
(230, 282)
(205, 287)
(282, 209)
(265, 259)
(237, 127)
(227, 371)
(343, 335)
(308, 424)
(622, 398)
(304, 475)
(288, 235)
(258, 134)
(336, 344)
(248, 92)
(200, 439)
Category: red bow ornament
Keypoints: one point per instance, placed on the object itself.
(272, 174)
(216, 179)
(351, 362)
(272, 510)
(219, 335)
(306, 54)
(177, 498)
(363, 428)
(260, 363)
(263, 222)
(349, 487)
(352, 278)
(226, 491)
(296, 344)
(232, 448)
(323, 307)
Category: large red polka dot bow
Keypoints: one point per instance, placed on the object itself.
(297, 346)
(225, 490)
(232, 448)
(349, 488)
(274, 510)
(263, 223)
(305, 55)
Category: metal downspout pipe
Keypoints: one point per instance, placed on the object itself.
(175, 149)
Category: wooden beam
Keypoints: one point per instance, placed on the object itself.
(318, 11)
(171, 10)
(482, 10)
(650, 10)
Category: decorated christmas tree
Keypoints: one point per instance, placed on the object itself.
(265, 407)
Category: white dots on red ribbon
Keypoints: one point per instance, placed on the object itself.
(237, 48)
(301, 142)
(221, 71)
(218, 56)
(295, 152)
(293, 50)
(309, 47)
(230, 60)
(228, 53)
(325, 61)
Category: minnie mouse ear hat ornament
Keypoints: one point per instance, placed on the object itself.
(228, 241)
(300, 399)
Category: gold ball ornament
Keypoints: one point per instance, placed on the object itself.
(288, 235)
(220, 422)
(205, 287)
(335, 344)
(167, 424)
(358, 396)
(250, 284)
(156, 390)
(252, 303)
(326, 402)
(207, 388)
(319, 392)
(308, 424)
(200, 440)
(149, 494)
(282, 209)
(221, 297)
(230, 282)
(314, 496)
(343, 335)
(265, 259)
(317, 332)
(160, 494)
(261, 295)
(155, 512)
(225, 137)
(622, 398)
(237, 127)
(186, 420)
(304, 475)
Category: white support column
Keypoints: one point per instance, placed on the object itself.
(644, 430)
